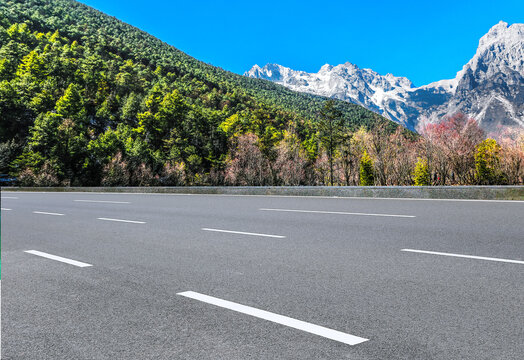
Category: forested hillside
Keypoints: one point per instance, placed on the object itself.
(86, 99)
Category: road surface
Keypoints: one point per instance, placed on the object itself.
(145, 276)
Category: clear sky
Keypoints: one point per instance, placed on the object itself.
(423, 40)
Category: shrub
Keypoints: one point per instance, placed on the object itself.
(173, 174)
(142, 175)
(366, 170)
(421, 174)
(47, 176)
(116, 172)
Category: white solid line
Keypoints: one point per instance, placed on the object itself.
(47, 213)
(279, 319)
(338, 213)
(464, 256)
(270, 196)
(9, 197)
(58, 258)
(244, 233)
(103, 201)
(5, 209)
(120, 220)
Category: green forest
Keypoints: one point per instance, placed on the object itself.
(87, 100)
(80, 90)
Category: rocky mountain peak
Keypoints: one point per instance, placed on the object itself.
(489, 88)
(504, 33)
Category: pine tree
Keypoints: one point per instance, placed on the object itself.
(71, 104)
(331, 128)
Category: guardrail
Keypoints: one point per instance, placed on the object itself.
(418, 192)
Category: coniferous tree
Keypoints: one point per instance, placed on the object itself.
(331, 131)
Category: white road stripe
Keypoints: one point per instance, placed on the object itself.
(47, 213)
(279, 319)
(103, 201)
(5, 209)
(9, 197)
(272, 196)
(338, 213)
(244, 233)
(121, 220)
(464, 256)
(58, 258)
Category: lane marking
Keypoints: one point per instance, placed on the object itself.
(103, 201)
(6, 209)
(9, 197)
(47, 213)
(464, 256)
(337, 213)
(121, 220)
(279, 319)
(271, 196)
(58, 258)
(244, 233)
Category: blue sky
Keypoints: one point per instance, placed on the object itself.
(422, 40)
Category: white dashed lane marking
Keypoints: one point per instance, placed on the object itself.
(122, 220)
(244, 233)
(279, 319)
(57, 258)
(47, 213)
(464, 256)
(338, 213)
(103, 201)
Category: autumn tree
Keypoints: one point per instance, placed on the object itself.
(367, 177)
(421, 176)
(487, 163)
(452, 144)
(399, 157)
(512, 155)
(246, 164)
(291, 160)
(377, 145)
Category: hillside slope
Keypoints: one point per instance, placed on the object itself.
(94, 29)
(84, 96)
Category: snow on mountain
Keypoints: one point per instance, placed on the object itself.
(489, 88)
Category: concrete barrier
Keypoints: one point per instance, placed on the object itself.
(416, 192)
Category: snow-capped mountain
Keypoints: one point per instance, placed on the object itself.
(489, 88)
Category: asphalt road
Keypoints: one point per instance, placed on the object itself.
(216, 277)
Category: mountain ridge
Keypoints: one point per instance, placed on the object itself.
(498, 60)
